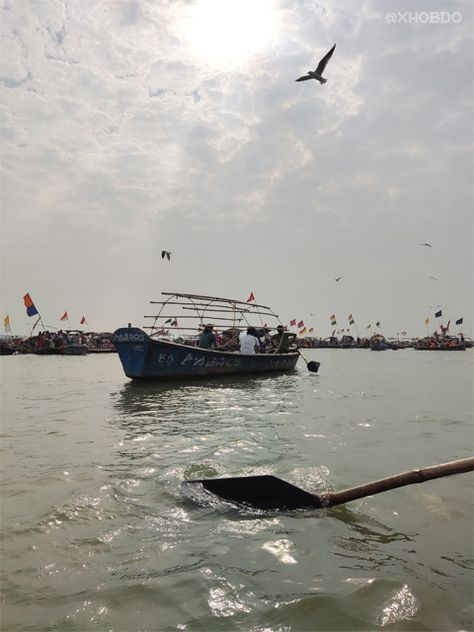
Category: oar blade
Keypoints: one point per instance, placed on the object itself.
(313, 366)
(262, 492)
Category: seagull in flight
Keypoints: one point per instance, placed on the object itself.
(339, 278)
(434, 278)
(165, 253)
(318, 73)
(429, 245)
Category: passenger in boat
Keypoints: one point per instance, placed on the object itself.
(250, 343)
(265, 339)
(230, 340)
(280, 342)
(208, 339)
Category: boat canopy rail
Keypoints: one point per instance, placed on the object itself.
(223, 313)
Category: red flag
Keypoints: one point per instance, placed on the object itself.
(293, 322)
(64, 316)
(251, 297)
(301, 324)
(84, 321)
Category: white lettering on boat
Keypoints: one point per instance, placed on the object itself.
(138, 337)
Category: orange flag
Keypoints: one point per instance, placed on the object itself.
(64, 316)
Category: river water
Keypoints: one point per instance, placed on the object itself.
(98, 535)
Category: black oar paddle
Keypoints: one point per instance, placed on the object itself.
(312, 365)
(270, 492)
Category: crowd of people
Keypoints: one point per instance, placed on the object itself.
(254, 340)
(59, 339)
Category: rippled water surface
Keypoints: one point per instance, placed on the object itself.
(98, 535)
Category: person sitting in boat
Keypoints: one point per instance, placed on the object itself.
(280, 342)
(208, 338)
(249, 342)
(230, 340)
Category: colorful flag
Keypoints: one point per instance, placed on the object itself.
(84, 321)
(64, 316)
(293, 322)
(6, 324)
(251, 297)
(459, 321)
(30, 307)
(302, 331)
(333, 320)
(438, 314)
(446, 329)
(301, 324)
(350, 319)
(310, 330)
(427, 320)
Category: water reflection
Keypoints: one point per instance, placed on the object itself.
(194, 407)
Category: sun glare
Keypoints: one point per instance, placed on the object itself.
(227, 33)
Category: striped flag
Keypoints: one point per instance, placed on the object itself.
(333, 320)
(302, 331)
(350, 319)
(310, 330)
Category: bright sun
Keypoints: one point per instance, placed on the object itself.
(227, 33)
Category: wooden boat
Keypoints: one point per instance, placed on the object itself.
(158, 357)
(74, 349)
(6, 349)
(444, 343)
(441, 347)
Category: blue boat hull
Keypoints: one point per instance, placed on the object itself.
(145, 358)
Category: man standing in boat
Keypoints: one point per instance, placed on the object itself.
(208, 339)
(280, 342)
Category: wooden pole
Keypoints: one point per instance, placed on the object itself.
(330, 499)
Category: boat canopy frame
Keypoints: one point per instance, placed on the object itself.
(205, 309)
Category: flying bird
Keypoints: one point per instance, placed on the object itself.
(429, 245)
(318, 73)
(434, 278)
(165, 253)
(339, 278)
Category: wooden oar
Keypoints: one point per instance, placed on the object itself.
(270, 492)
(312, 365)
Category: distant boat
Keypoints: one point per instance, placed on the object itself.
(6, 348)
(157, 357)
(74, 349)
(440, 344)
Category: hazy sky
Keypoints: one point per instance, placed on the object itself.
(133, 126)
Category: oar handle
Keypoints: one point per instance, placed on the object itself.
(411, 477)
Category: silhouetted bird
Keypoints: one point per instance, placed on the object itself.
(165, 253)
(318, 73)
(429, 245)
(339, 278)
